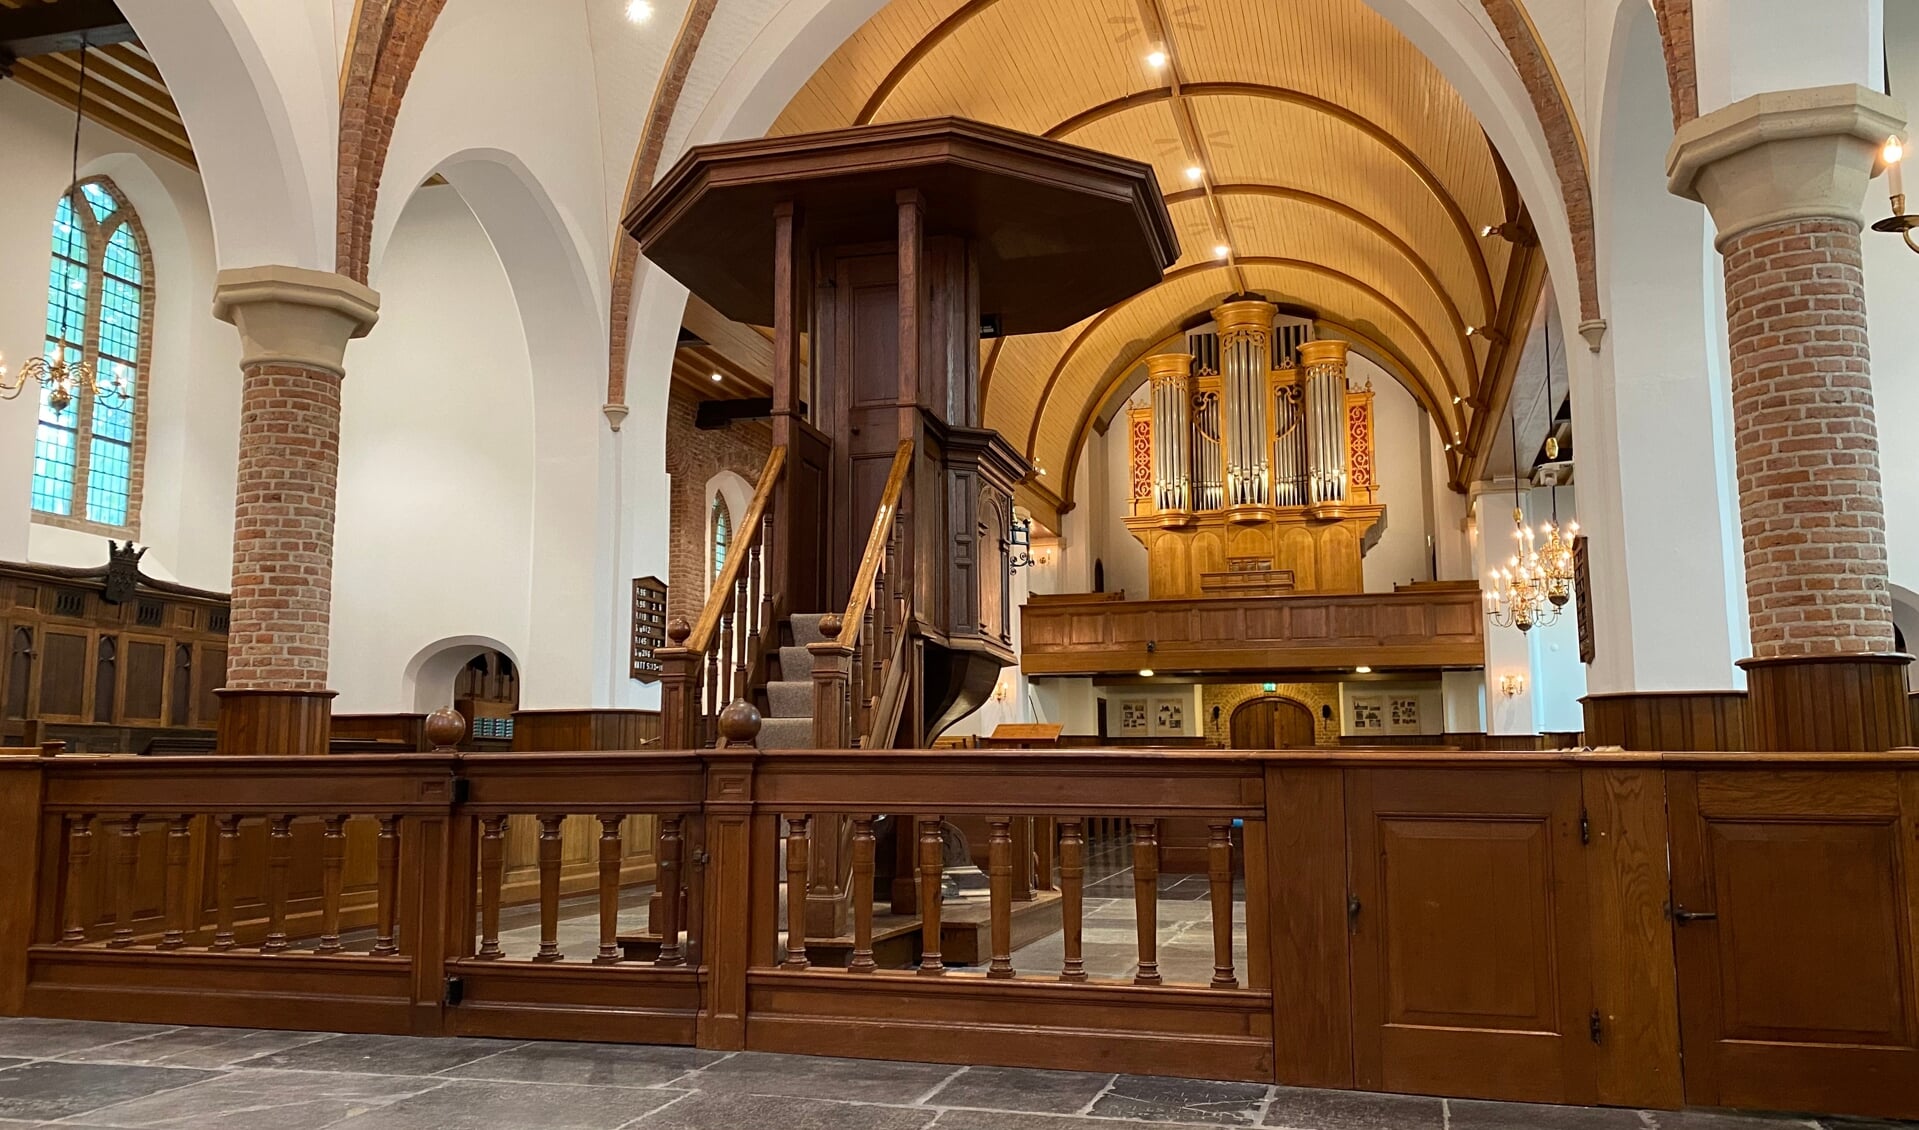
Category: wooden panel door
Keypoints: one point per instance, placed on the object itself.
(1794, 896)
(1471, 961)
(1272, 723)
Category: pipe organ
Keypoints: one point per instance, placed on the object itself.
(1252, 461)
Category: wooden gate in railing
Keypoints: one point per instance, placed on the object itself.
(1503, 925)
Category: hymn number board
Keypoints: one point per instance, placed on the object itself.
(649, 627)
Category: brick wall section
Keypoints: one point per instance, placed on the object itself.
(283, 528)
(387, 40)
(1809, 493)
(692, 458)
(1682, 72)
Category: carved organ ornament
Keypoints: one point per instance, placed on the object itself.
(1252, 461)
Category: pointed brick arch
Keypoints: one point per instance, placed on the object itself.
(386, 40)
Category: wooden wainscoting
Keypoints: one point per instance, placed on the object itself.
(1428, 627)
(1667, 720)
(1545, 926)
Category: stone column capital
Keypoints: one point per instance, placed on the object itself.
(1783, 156)
(294, 316)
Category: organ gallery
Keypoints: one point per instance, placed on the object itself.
(1252, 463)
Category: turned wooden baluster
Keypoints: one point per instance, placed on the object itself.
(126, 868)
(863, 844)
(866, 682)
(79, 853)
(179, 850)
(1072, 887)
(279, 864)
(492, 877)
(384, 941)
(332, 868)
(742, 637)
(610, 853)
(796, 828)
(723, 653)
(754, 609)
(1146, 898)
(765, 598)
(1000, 874)
(714, 696)
(932, 873)
(227, 861)
(672, 847)
(1219, 870)
(549, 889)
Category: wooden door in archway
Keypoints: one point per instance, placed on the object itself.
(1272, 723)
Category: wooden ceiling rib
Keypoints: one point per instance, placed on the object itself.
(125, 91)
(1340, 170)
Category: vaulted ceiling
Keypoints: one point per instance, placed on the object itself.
(1340, 172)
(124, 90)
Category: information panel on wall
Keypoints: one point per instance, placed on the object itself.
(649, 627)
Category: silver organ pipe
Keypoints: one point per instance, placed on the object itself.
(1245, 333)
(1324, 365)
(1209, 488)
(1289, 447)
(1170, 375)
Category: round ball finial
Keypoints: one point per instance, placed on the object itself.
(444, 728)
(830, 625)
(677, 630)
(740, 723)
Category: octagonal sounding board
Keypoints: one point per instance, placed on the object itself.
(1060, 232)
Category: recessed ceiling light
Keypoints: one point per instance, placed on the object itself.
(1456, 400)
(1145, 672)
(1194, 172)
(1042, 472)
(1488, 229)
(717, 377)
(639, 11)
(1222, 251)
(1156, 59)
(1362, 670)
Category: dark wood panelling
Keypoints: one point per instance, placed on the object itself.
(1307, 926)
(274, 722)
(1795, 895)
(1667, 720)
(540, 731)
(1832, 702)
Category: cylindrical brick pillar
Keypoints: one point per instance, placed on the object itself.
(294, 325)
(1784, 174)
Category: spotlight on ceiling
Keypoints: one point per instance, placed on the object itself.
(1194, 172)
(1362, 670)
(1156, 59)
(717, 378)
(1145, 672)
(1222, 251)
(639, 11)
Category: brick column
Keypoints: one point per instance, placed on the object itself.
(1784, 174)
(294, 325)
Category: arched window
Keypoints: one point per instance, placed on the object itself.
(722, 533)
(87, 454)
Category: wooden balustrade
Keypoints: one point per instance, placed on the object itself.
(860, 675)
(1515, 925)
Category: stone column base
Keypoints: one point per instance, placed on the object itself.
(1827, 703)
(274, 723)
(1671, 721)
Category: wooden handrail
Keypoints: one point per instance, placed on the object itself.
(748, 527)
(876, 544)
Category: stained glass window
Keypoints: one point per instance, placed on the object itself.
(722, 533)
(84, 451)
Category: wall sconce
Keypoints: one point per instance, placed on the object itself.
(1899, 223)
(1512, 686)
(1000, 691)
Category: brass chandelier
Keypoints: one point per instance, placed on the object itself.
(1536, 582)
(62, 378)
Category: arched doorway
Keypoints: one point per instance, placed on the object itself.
(1272, 722)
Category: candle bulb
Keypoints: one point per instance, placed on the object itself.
(1894, 154)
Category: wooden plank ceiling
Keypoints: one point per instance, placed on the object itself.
(1336, 167)
(125, 92)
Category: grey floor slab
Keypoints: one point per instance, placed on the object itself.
(283, 1100)
(44, 1039)
(1005, 1120)
(382, 1055)
(1015, 1089)
(1725, 1120)
(196, 1047)
(462, 1104)
(1297, 1109)
(1466, 1115)
(598, 1065)
(48, 1090)
(704, 1111)
(1148, 1098)
(816, 1077)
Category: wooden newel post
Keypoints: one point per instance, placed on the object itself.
(832, 675)
(730, 931)
(679, 680)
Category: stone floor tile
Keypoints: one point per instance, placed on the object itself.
(461, 1104)
(49, 1090)
(1723, 1120)
(284, 1100)
(6, 1063)
(818, 1077)
(196, 1047)
(381, 1055)
(1016, 1089)
(1295, 1108)
(1012, 1120)
(703, 1111)
(1152, 1099)
(1464, 1114)
(44, 1039)
(596, 1065)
